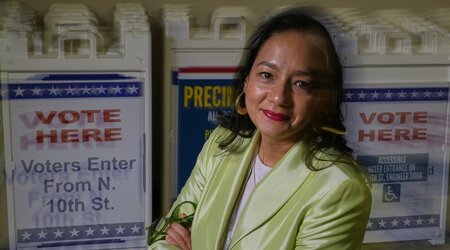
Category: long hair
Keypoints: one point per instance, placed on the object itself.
(317, 139)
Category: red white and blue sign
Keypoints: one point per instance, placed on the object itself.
(398, 132)
(76, 172)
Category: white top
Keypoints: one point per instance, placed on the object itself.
(258, 171)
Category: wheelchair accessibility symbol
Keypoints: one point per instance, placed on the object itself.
(391, 192)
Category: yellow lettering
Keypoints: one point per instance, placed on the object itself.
(207, 96)
(229, 97)
(198, 93)
(211, 96)
(216, 92)
(188, 92)
(208, 133)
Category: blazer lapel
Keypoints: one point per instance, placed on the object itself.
(224, 190)
(272, 192)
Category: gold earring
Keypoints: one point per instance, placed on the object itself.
(334, 130)
(237, 105)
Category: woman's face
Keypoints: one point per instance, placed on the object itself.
(279, 90)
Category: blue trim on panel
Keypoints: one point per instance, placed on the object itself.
(175, 78)
(403, 222)
(395, 94)
(71, 90)
(80, 232)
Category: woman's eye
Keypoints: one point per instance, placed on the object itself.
(303, 85)
(266, 75)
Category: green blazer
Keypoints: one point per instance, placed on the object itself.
(292, 207)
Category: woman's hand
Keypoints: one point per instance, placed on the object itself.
(179, 236)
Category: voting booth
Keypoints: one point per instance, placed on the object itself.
(76, 113)
(396, 101)
(199, 70)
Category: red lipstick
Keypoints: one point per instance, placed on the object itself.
(275, 116)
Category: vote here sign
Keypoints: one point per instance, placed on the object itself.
(398, 133)
(76, 159)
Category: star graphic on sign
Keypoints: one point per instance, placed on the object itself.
(135, 229)
(402, 94)
(431, 220)
(74, 232)
(26, 236)
(440, 93)
(36, 91)
(120, 229)
(89, 232)
(132, 89)
(419, 221)
(42, 234)
(394, 223)
(414, 94)
(104, 230)
(117, 90)
(407, 222)
(369, 224)
(58, 234)
(19, 91)
(389, 94)
(101, 90)
(427, 94)
(70, 91)
(382, 223)
(362, 95)
(53, 90)
(348, 95)
(375, 95)
(86, 90)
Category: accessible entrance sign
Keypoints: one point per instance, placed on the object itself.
(399, 132)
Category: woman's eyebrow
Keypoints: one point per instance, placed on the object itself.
(298, 72)
(269, 64)
(319, 75)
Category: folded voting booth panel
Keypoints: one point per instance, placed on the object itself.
(76, 115)
(199, 68)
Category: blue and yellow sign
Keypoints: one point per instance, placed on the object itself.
(201, 96)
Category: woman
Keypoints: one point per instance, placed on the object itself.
(277, 173)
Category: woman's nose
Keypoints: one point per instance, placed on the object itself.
(279, 93)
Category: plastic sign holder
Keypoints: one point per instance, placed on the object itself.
(77, 128)
(200, 65)
(396, 101)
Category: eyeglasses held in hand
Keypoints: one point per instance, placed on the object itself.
(157, 230)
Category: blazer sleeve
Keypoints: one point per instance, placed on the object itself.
(196, 182)
(338, 220)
